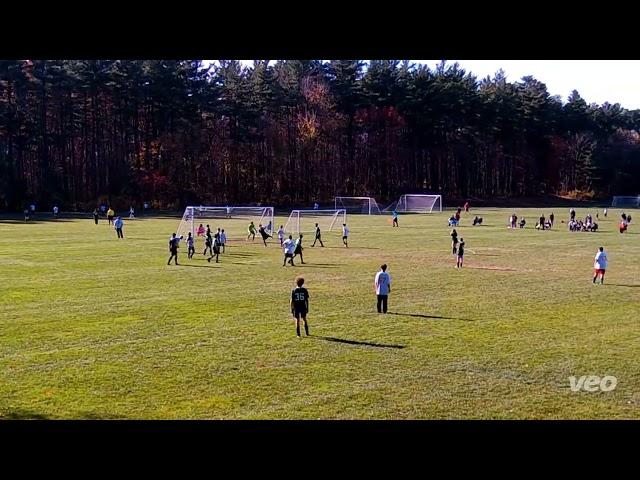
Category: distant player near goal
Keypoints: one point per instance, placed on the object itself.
(600, 265)
(298, 249)
(252, 231)
(299, 304)
(345, 234)
(318, 237)
(281, 235)
(395, 218)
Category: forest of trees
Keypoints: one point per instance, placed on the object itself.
(171, 132)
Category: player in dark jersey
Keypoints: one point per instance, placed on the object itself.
(300, 305)
(318, 237)
(454, 241)
(173, 249)
(208, 242)
(216, 249)
(191, 245)
(460, 254)
(264, 235)
(298, 249)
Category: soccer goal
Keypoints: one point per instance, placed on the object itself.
(304, 221)
(363, 205)
(234, 220)
(417, 204)
(626, 202)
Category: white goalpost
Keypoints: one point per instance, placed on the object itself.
(626, 202)
(362, 205)
(234, 220)
(304, 221)
(417, 204)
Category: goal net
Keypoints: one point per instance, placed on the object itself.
(626, 202)
(234, 220)
(304, 221)
(417, 204)
(362, 205)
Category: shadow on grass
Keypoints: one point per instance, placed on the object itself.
(22, 415)
(355, 342)
(316, 265)
(437, 317)
(622, 285)
(197, 266)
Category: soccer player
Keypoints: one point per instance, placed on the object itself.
(605, 213)
(572, 214)
(281, 234)
(110, 215)
(131, 212)
(300, 305)
(191, 245)
(264, 235)
(200, 231)
(551, 217)
(395, 218)
(600, 265)
(289, 248)
(228, 211)
(298, 248)
(382, 284)
(118, 224)
(26, 215)
(208, 242)
(252, 231)
(454, 241)
(466, 207)
(216, 249)
(345, 234)
(223, 240)
(55, 211)
(173, 248)
(95, 215)
(460, 254)
(318, 237)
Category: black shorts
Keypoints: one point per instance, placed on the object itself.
(288, 255)
(344, 237)
(298, 251)
(300, 312)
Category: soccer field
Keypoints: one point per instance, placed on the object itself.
(96, 327)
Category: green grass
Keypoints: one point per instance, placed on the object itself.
(95, 327)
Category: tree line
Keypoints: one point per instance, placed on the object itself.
(176, 132)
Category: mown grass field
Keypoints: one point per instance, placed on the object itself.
(96, 327)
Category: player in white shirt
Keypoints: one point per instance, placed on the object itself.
(600, 265)
(345, 234)
(289, 248)
(382, 284)
(281, 235)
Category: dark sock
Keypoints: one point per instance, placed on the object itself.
(306, 329)
(298, 330)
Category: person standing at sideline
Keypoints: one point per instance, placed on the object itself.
(55, 211)
(95, 215)
(382, 284)
(131, 212)
(118, 224)
(110, 215)
(600, 265)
